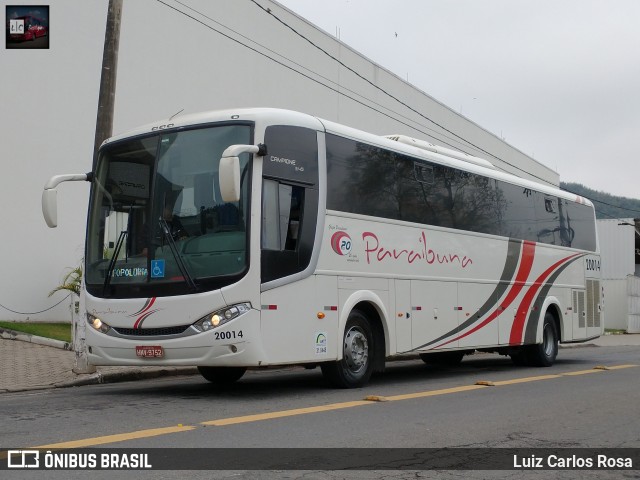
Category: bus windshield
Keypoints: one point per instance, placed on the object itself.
(157, 223)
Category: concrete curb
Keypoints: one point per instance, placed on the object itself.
(130, 375)
(100, 378)
(27, 337)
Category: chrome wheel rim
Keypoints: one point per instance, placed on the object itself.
(549, 341)
(356, 350)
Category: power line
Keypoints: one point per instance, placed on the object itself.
(614, 206)
(412, 126)
(605, 203)
(269, 12)
(35, 313)
(434, 133)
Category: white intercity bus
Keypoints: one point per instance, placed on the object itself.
(262, 237)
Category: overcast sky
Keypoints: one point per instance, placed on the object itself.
(558, 79)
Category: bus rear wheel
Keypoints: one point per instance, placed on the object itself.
(222, 375)
(356, 366)
(544, 354)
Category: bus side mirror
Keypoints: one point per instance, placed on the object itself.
(230, 179)
(50, 195)
(229, 171)
(50, 207)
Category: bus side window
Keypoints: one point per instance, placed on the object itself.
(281, 215)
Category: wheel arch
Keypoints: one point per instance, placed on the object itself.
(554, 310)
(551, 305)
(373, 307)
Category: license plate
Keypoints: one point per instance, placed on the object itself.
(149, 351)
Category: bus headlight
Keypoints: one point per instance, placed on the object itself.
(97, 324)
(220, 317)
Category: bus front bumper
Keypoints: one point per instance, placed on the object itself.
(234, 344)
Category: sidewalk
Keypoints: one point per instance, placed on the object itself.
(33, 363)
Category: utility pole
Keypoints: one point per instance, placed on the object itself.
(104, 129)
(106, 99)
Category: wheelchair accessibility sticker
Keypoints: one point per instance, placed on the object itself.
(157, 268)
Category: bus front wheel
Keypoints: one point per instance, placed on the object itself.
(222, 375)
(356, 366)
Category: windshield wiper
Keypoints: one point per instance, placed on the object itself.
(174, 250)
(116, 252)
(112, 263)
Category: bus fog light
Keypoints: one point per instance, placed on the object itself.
(220, 317)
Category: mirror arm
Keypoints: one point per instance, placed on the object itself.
(73, 177)
(49, 195)
(236, 150)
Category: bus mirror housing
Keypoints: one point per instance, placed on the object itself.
(50, 207)
(50, 195)
(229, 172)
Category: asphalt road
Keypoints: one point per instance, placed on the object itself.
(570, 405)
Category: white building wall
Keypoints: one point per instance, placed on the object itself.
(615, 303)
(633, 299)
(170, 62)
(617, 248)
(621, 287)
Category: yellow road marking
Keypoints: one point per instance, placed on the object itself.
(526, 380)
(583, 372)
(284, 413)
(88, 442)
(433, 393)
(119, 437)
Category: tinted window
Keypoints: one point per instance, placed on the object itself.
(289, 201)
(292, 154)
(369, 180)
(373, 181)
(578, 224)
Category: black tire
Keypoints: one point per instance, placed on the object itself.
(545, 353)
(519, 357)
(356, 366)
(222, 375)
(450, 359)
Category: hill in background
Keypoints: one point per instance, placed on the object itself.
(607, 205)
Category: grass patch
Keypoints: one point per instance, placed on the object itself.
(58, 331)
(614, 331)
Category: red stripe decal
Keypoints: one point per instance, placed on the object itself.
(526, 262)
(144, 312)
(515, 338)
(148, 304)
(142, 318)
